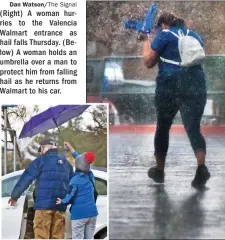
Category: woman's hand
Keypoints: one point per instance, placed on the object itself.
(58, 201)
(68, 145)
(189, 24)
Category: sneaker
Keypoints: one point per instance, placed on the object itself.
(156, 174)
(201, 176)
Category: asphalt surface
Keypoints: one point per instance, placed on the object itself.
(140, 209)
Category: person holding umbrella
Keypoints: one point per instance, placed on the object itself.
(181, 85)
(51, 173)
(82, 196)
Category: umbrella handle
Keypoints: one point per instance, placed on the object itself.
(66, 146)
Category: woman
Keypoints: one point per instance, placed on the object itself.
(178, 89)
(81, 196)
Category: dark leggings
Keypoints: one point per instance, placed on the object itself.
(184, 91)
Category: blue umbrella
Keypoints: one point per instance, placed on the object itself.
(51, 118)
(147, 24)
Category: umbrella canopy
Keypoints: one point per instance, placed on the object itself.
(149, 22)
(147, 25)
(51, 118)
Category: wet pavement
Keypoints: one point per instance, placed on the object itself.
(140, 209)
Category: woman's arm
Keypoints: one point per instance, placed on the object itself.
(71, 193)
(189, 24)
(69, 146)
(150, 56)
(71, 149)
(75, 154)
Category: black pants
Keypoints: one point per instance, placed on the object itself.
(184, 91)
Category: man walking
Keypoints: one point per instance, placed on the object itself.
(52, 173)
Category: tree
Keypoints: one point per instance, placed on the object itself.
(99, 116)
(76, 123)
(17, 114)
(10, 163)
(83, 137)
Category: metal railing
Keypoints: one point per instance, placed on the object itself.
(134, 72)
(5, 129)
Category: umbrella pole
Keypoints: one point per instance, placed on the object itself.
(60, 135)
(58, 128)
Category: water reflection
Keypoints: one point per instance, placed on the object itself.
(177, 221)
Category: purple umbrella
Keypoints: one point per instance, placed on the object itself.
(51, 118)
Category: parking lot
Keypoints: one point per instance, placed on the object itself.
(141, 209)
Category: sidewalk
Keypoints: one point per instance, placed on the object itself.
(141, 209)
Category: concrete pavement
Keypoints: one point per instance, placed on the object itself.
(141, 209)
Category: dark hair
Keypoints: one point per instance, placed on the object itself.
(170, 20)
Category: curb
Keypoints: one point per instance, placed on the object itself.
(175, 129)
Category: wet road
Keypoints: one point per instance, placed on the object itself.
(141, 209)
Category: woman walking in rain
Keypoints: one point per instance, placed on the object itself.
(179, 88)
